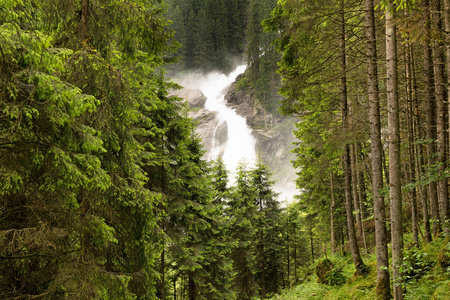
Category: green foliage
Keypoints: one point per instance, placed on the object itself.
(428, 282)
(443, 258)
(86, 126)
(211, 33)
(310, 291)
(415, 264)
(328, 274)
(242, 214)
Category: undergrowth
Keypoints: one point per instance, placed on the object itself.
(423, 274)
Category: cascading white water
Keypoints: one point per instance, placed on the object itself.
(240, 145)
(228, 135)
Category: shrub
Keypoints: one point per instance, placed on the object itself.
(443, 258)
(327, 274)
(415, 264)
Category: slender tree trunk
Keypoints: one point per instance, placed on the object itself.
(357, 213)
(440, 114)
(430, 118)
(263, 268)
(175, 289)
(295, 255)
(447, 39)
(418, 153)
(395, 192)
(383, 281)
(311, 237)
(411, 140)
(163, 275)
(361, 196)
(192, 288)
(385, 167)
(263, 260)
(357, 260)
(333, 240)
(84, 20)
(288, 256)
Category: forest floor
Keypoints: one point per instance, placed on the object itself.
(426, 274)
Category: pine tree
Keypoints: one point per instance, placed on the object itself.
(269, 242)
(242, 214)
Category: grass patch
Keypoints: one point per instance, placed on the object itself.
(308, 290)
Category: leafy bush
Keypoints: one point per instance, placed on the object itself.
(327, 274)
(443, 258)
(415, 264)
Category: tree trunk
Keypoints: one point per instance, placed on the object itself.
(440, 114)
(163, 275)
(333, 240)
(447, 39)
(383, 281)
(311, 240)
(418, 153)
(192, 288)
(263, 256)
(430, 118)
(355, 187)
(411, 140)
(175, 288)
(362, 197)
(295, 255)
(288, 256)
(395, 192)
(263, 267)
(357, 260)
(84, 21)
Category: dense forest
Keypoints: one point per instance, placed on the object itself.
(104, 193)
(219, 34)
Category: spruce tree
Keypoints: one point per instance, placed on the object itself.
(242, 218)
(269, 242)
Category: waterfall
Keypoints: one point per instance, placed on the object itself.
(226, 133)
(240, 144)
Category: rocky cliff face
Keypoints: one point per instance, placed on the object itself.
(273, 133)
(207, 126)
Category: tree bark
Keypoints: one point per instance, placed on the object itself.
(440, 114)
(192, 288)
(383, 281)
(311, 239)
(447, 39)
(411, 140)
(357, 260)
(84, 21)
(175, 288)
(418, 152)
(362, 197)
(288, 255)
(355, 188)
(295, 255)
(333, 203)
(163, 275)
(430, 118)
(395, 193)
